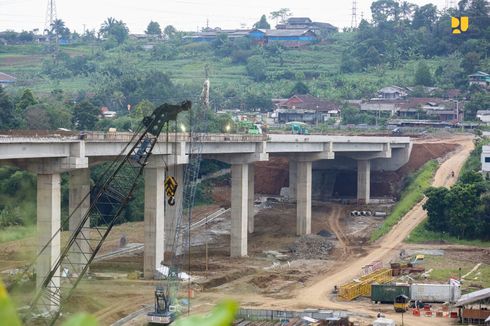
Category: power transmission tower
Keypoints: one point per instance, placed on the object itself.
(50, 15)
(353, 22)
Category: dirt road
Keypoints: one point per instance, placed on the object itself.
(318, 293)
(334, 225)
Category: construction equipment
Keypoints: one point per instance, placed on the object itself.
(245, 126)
(298, 128)
(109, 196)
(362, 286)
(402, 303)
(166, 293)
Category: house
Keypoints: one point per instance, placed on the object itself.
(6, 79)
(479, 78)
(483, 116)
(474, 307)
(211, 34)
(306, 23)
(306, 108)
(291, 37)
(391, 93)
(106, 113)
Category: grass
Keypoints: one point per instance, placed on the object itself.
(16, 232)
(410, 196)
(421, 235)
(445, 268)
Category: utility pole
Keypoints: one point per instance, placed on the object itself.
(353, 22)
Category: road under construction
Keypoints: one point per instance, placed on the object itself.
(253, 280)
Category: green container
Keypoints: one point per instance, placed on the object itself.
(386, 293)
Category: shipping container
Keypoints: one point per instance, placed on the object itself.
(435, 292)
(386, 293)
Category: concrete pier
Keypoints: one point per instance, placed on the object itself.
(251, 197)
(239, 209)
(48, 223)
(293, 170)
(363, 181)
(154, 220)
(79, 205)
(303, 195)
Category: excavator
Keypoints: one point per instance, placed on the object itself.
(108, 198)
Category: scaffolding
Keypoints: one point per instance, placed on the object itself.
(362, 286)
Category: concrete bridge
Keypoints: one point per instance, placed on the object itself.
(49, 156)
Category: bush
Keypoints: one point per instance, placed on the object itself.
(10, 217)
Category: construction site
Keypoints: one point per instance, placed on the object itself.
(317, 266)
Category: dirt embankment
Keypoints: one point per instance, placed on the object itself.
(271, 176)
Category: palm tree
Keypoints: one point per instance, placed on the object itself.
(108, 25)
(407, 9)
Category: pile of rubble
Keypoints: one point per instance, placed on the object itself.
(311, 247)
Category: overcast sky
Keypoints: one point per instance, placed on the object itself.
(185, 15)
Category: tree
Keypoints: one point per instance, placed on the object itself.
(169, 31)
(262, 23)
(116, 29)
(436, 207)
(59, 29)
(37, 118)
(478, 101)
(143, 109)
(299, 88)
(153, 29)
(25, 100)
(384, 10)
(425, 16)
(256, 67)
(423, 75)
(281, 15)
(85, 116)
(470, 62)
(7, 117)
(463, 210)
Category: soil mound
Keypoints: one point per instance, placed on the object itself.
(311, 247)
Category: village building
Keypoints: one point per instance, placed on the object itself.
(307, 23)
(305, 108)
(479, 78)
(474, 307)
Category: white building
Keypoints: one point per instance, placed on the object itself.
(485, 159)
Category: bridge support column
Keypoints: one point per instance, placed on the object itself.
(293, 170)
(363, 181)
(154, 220)
(303, 198)
(171, 211)
(239, 209)
(79, 205)
(48, 223)
(251, 197)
